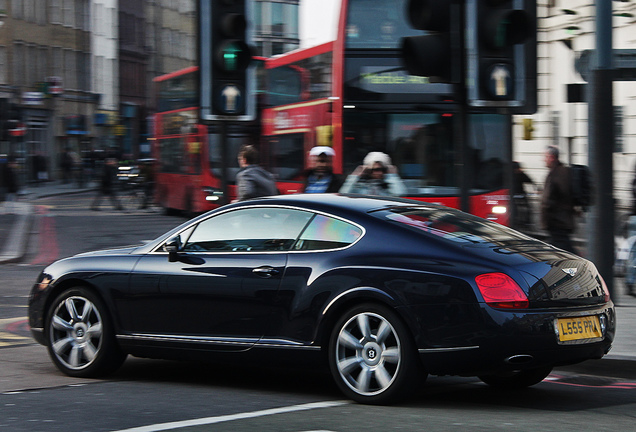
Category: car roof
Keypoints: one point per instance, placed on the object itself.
(347, 202)
(345, 205)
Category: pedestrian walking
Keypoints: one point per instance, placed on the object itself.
(66, 164)
(557, 208)
(320, 177)
(634, 194)
(376, 176)
(147, 173)
(253, 181)
(108, 185)
(523, 211)
(10, 181)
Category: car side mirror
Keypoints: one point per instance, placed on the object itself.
(173, 246)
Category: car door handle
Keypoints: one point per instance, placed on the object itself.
(265, 271)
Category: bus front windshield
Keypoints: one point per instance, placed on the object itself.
(423, 149)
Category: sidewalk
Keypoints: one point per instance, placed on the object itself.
(16, 217)
(16, 220)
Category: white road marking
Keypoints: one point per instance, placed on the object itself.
(240, 416)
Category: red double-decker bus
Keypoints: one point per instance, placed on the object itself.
(188, 154)
(354, 94)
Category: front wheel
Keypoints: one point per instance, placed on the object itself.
(517, 379)
(372, 357)
(80, 336)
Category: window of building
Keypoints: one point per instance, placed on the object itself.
(277, 19)
(83, 71)
(55, 11)
(258, 17)
(28, 10)
(18, 63)
(30, 70)
(43, 63)
(58, 62)
(70, 69)
(278, 48)
(40, 15)
(16, 9)
(3, 65)
(82, 15)
(291, 18)
(186, 6)
(99, 74)
(68, 12)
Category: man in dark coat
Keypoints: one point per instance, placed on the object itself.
(253, 181)
(107, 185)
(557, 209)
(321, 178)
(10, 179)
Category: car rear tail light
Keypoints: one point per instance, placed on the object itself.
(501, 291)
(606, 294)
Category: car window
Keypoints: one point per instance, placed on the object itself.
(452, 225)
(249, 230)
(327, 233)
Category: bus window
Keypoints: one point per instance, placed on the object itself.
(286, 156)
(214, 152)
(377, 24)
(423, 149)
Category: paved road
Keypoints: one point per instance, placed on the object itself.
(196, 397)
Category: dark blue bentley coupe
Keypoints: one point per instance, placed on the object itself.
(383, 291)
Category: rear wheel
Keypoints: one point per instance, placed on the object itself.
(517, 379)
(80, 336)
(372, 357)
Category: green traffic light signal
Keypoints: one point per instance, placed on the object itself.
(233, 56)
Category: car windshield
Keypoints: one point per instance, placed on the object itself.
(452, 225)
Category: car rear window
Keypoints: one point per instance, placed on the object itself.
(451, 225)
(327, 233)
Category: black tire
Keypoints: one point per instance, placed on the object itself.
(79, 335)
(372, 356)
(517, 379)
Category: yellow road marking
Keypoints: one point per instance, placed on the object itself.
(11, 336)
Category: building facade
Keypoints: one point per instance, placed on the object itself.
(276, 26)
(76, 75)
(45, 64)
(105, 72)
(566, 29)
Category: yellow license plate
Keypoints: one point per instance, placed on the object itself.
(586, 327)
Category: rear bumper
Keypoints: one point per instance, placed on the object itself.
(497, 341)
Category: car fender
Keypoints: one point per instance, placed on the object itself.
(387, 286)
(80, 270)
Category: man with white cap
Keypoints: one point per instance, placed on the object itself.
(321, 178)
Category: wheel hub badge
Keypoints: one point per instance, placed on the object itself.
(80, 332)
(372, 353)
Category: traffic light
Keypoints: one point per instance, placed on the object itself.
(227, 78)
(430, 54)
(501, 54)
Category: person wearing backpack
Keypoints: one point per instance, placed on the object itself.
(557, 207)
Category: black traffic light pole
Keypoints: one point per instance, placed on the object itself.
(601, 148)
(224, 162)
(458, 21)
